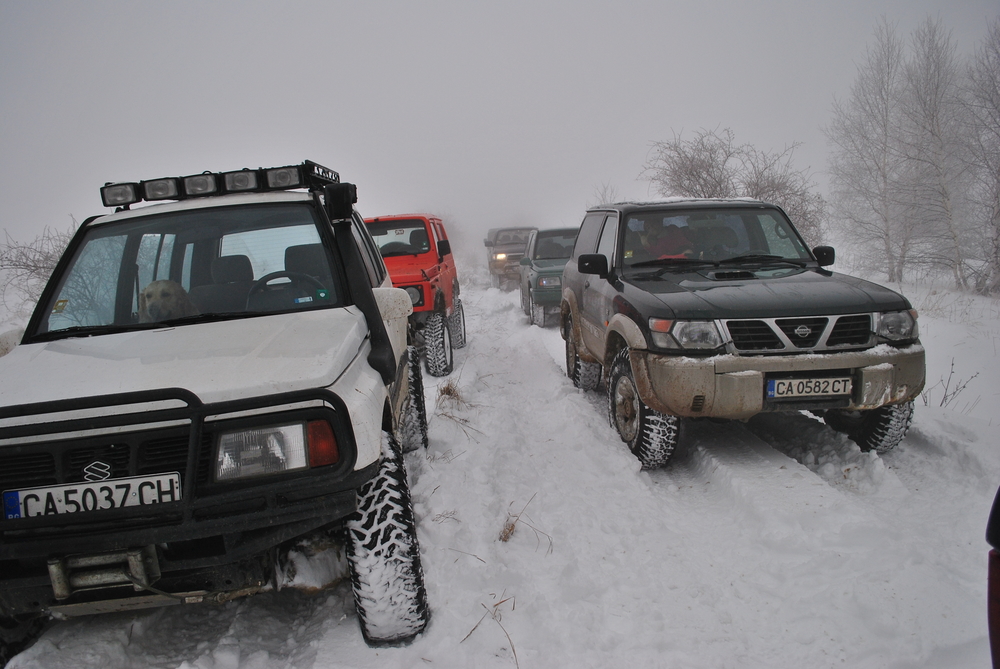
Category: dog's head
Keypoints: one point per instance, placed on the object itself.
(163, 300)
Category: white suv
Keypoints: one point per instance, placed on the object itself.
(204, 382)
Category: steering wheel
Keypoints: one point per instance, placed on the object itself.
(298, 281)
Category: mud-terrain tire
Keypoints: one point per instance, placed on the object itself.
(16, 634)
(650, 435)
(437, 345)
(585, 375)
(384, 556)
(537, 315)
(456, 325)
(413, 422)
(878, 430)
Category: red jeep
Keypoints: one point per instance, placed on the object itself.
(418, 255)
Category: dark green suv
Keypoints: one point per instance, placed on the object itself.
(718, 309)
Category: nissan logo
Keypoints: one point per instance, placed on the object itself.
(97, 471)
(802, 331)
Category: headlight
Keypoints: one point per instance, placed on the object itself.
(701, 335)
(500, 256)
(416, 295)
(274, 449)
(549, 281)
(898, 325)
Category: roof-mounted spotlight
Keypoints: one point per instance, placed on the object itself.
(161, 189)
(120, 195)
(197, 185)
(243, 180)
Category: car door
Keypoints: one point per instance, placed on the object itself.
(599, 293)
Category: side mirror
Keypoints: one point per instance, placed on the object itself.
(488, 243)
(526, 261)
(825, 255)
(444, 248)
(593, 263)
(340, 199)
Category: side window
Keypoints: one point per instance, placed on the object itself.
(606, 245)
(529, 252)
(590, 229)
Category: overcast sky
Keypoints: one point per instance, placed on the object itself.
(489, 114)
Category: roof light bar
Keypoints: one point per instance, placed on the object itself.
(307, 175)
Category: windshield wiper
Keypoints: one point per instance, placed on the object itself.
(80, 331)
(761, 258)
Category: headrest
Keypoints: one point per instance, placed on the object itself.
(419, 240)
(307, 259)
(232, 269)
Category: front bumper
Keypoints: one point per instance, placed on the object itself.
(733, 386)
(547, 297)
(219, 539)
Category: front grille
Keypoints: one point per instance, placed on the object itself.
(753, 336)
(126, 454)
(856, 330)
(27, 470)
(803, 332)
(787, 335)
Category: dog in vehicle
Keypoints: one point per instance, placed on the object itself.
(163, 300)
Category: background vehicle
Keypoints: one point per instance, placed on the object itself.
(417, 253)
(541, 271)
(504, 250)
(156, 455)
(716, 309)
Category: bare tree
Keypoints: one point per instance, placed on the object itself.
(27, 266)
(604, 194)
(867, 164)
(933, 147)
(983, 107)
(713, 165)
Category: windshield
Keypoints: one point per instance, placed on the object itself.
(195, 264)
(513, 237)
(400, 237)
(716, 235)
(555, 245)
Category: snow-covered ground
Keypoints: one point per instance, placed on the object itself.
(776, 544)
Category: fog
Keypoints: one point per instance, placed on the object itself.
(510, 113)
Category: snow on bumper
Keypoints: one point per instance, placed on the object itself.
(732, 386)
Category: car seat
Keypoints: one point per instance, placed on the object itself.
(232, 278)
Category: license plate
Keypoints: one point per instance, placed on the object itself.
(822, 387)
(92, 496)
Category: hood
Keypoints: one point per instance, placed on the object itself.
(769, 294)
(216, 361)
(549, 265)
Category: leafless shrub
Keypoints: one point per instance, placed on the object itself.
(948, 393)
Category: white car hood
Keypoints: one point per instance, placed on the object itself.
(216, 361)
